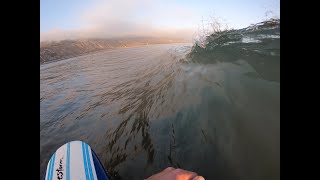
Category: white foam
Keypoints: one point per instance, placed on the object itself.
(249, 40)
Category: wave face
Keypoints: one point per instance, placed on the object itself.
(257, 45)
(212, 108)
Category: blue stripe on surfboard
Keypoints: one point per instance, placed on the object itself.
(89, 162)
(51, 167)
(68, 161)
(85, 152)
(85, 161)
(49, 170)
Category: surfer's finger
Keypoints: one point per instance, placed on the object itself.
(183, 174)
(165, 171)
(168, 169)
(198, 178)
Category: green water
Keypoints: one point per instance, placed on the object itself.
(214, 110)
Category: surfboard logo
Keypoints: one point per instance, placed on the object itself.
(60, 170)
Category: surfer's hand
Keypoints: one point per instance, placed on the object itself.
(171, 173)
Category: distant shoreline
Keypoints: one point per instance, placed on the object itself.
(56, 60)
(57, 51)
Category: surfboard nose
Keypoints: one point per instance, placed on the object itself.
(75, 160)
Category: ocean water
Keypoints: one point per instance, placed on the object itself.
(212, 108)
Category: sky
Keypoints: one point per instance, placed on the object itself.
(72, 19)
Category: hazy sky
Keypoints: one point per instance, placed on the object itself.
(63, 19)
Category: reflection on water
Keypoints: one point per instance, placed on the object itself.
(143, 109)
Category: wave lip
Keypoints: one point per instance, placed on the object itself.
(258, 45)
(263, 34)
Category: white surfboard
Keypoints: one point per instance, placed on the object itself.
(75, 161)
